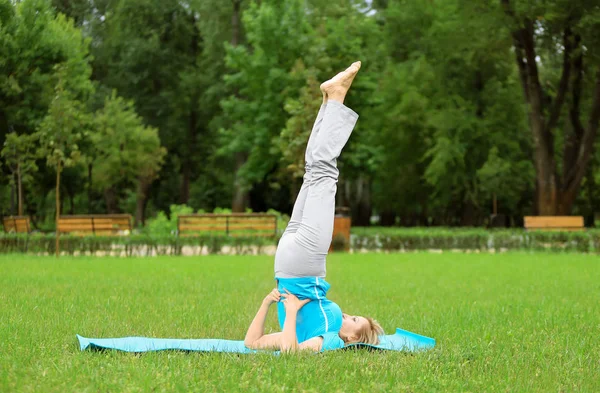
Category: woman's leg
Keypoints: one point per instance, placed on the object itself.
(304, 253)
(316, 228)
(298, 210)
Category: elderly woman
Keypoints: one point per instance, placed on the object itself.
(310, 321)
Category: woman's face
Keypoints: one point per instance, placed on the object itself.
(352, 325)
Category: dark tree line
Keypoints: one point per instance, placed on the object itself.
(467, 108)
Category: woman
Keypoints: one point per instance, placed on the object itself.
(308, 319)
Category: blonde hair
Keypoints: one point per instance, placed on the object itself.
(370, 334)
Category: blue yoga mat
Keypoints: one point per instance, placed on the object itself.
(402, 340)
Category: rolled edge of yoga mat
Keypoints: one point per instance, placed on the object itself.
(402, 340)
(83, 342)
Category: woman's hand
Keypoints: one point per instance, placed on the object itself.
(272, 297)
(292, 303)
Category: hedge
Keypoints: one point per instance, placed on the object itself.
(362, 239)
(133, 245)
(474, 239)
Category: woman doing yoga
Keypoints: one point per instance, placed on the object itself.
(307, 318)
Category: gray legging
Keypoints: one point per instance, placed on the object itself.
(302, 250)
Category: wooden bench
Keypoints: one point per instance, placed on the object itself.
(236, 224)
(554, 223)
(101, 224)
(16, 224)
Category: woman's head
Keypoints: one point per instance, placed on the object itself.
(356, 329)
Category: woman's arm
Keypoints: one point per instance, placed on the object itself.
(256, 331)
(289, 341)
(286, 340)
(314, 344)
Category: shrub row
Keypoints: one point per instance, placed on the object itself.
(474, 239)
(362, 240)
(134, 245)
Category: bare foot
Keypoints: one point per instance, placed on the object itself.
(337, 87)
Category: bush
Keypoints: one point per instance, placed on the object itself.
(340, 243)
(163, 225)
(368, 239)
(410, 239)
(134, 245)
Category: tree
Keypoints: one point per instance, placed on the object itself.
(240, 191)
(152, 53)
(542, 34)
(126, 153)
(446, 103)
(33, 40)
(19, 155)
(261, 80)
(59, 134)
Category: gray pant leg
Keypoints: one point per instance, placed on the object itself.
(298, 210)
(303, 253)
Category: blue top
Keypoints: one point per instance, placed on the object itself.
(318, 318)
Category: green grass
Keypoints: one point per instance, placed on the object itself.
(511, 322)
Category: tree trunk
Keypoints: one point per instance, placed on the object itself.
(110, 198)
(71, 201)
(190, 147)
(13, 191)
(188, 162)
(20, 190)
(547, 181)
(241, 195)
(361, 208)
(469, 214)
(57, 245)
(546, 184)
(556, 194)
(584, 138)
(186, 172)
(387, 218)
(236, 18)
(89, 190)
(592, 192)
(141, 198)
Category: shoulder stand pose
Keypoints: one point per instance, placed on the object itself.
(307, 318)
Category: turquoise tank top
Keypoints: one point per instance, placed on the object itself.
(319, 317)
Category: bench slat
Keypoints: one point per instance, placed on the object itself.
(77, 221)
(556, 229)
(544, 222)
(201, 228)
(18, 224)
(97, 224)
(233, 220)
(239, 224)
(224, 226)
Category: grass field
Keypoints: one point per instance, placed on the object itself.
(503, 323)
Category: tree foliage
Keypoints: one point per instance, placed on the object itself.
(465, 107)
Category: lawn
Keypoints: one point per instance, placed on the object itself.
(507, 322)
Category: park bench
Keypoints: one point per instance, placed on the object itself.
(101, 224)
(236, 224)
(16, 224)
(554, 223)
